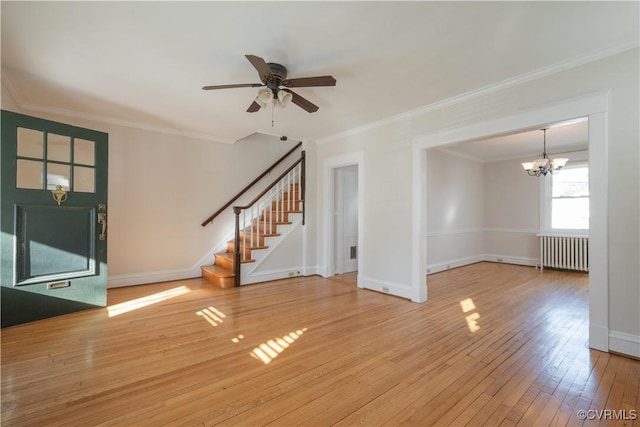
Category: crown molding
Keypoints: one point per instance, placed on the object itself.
(119, 122)
(39, 108)
(539, 73)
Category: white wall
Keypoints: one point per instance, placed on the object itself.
(512, 206)
(479, 211)
(455, 210)
(388, 162)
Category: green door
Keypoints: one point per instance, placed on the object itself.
(54, 216)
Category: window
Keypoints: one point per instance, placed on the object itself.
(570, 199)
(566, 201)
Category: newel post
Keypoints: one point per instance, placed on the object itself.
(236, 247)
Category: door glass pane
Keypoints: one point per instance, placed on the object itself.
(30, 143)
(83, 152)
(83, 179)
(29, 174)
(57, 174)
(58, 147)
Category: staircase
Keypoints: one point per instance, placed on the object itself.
(258, 223)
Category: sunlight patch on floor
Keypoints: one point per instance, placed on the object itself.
(267, 351)
(212, 315)
(135, 304)
(468, 305)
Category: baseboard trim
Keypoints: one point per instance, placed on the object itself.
(391, 288)
(122, 280)
(461, 262)
(623, 343)
(507, 259)
(267, 276)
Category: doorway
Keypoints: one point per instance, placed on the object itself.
(345, 223)
(595, 108)
(343, 232)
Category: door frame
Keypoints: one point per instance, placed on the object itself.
(330, 164)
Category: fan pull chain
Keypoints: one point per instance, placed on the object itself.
(273, 108)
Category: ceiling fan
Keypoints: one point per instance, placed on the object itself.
(274, 78)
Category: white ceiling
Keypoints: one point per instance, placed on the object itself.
(143, 63)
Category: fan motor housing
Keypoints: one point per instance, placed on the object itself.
(278, 70)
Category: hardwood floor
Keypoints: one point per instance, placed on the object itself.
(495, 345)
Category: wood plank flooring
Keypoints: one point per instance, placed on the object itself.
(495, 345)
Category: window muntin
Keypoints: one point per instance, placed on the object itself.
(63, 160)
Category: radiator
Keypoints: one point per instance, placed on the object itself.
(564, 252)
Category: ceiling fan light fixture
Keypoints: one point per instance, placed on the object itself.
(260, 102)
(265, 95)
(284, 98)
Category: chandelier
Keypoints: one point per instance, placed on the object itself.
(544, 164)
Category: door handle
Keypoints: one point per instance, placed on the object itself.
(102, 220)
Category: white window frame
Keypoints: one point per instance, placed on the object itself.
(576, 159)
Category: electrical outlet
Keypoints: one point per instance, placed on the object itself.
(448, 266)
(385, 289)
(428, 270)
(499, 259)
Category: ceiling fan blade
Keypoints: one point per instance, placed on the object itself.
(258, 63)
(232, 86)
(310, 81)
(302, 103)
(253, 107)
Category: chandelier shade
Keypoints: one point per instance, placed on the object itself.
(544, 164)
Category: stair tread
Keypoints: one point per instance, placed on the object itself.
(218, 270)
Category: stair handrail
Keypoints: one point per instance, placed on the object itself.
(237, 210)
(248, 187)
(275, 182)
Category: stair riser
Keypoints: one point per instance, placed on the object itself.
(293, 196)
(246, 250)
(223, 282)
(276, 217)
(247, 240)
(286, 205)
(267, 227)
(224, 262)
